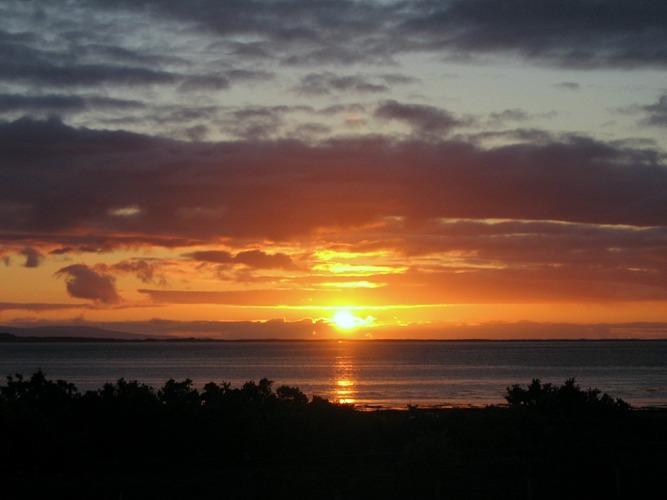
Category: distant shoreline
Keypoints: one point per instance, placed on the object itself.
(8, 338)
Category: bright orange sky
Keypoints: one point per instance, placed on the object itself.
(254, 179)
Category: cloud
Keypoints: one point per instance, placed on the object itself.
(40, 72)
(62, 104)
(255, 140)
(33, 257)
(398, 79)
(570, 33)
(657, 113)
(144, 270)
(255, 259)
(482, 282)
(61, 181)
(233, 297)
(84, 282)
(498, 119)
(249, 75)
(425, 120)
(261, 260)
(568, 86)
(574, 33)
(205, 82)
(510, 114)
(214, 256)
(318, 84)
(250, 122)
(39, 306)
(52, 102)
(50, 58)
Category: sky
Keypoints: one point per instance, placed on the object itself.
(335, 169)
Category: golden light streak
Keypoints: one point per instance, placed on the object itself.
(358, 270)
(351, 284)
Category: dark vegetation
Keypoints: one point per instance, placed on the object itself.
(128, 440)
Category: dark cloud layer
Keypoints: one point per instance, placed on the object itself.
(575, 33)
(578, 33)
(58, 180)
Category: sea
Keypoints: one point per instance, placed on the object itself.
(368, 374)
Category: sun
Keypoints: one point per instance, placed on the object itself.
(345, 320)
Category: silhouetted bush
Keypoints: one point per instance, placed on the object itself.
(128, 439)
(568, 398)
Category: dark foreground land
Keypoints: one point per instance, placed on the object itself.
(130, 441)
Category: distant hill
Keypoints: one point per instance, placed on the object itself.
(73, 332)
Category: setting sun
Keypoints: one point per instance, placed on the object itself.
(345, 320)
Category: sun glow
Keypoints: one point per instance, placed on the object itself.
(345, 320)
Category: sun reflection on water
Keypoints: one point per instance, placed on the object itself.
(344, 390)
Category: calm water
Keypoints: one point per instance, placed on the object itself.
(388, 374)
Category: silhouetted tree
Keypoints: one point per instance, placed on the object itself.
(568, 398)
(179, 394)
(291, 395)
(252, 442)
(37, 390)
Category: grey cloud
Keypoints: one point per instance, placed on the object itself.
(253, 50)
(58, 182)
(398, 79)
(568, 85)
(343, 108)
(247, 75)
(197, 132)
(113, 103)
(79, 75)
(657, 113)
(205, 82)
(502, 118)
(62, 103)
(258, 122)
(84, 282)
(309, 131)
(574, 33)
(425, 120)
(255, 123)
(510, 115)
(51, 102)
(33, 257)
(524, 135)
(122, 55)
(340, 31)
(316, 84)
